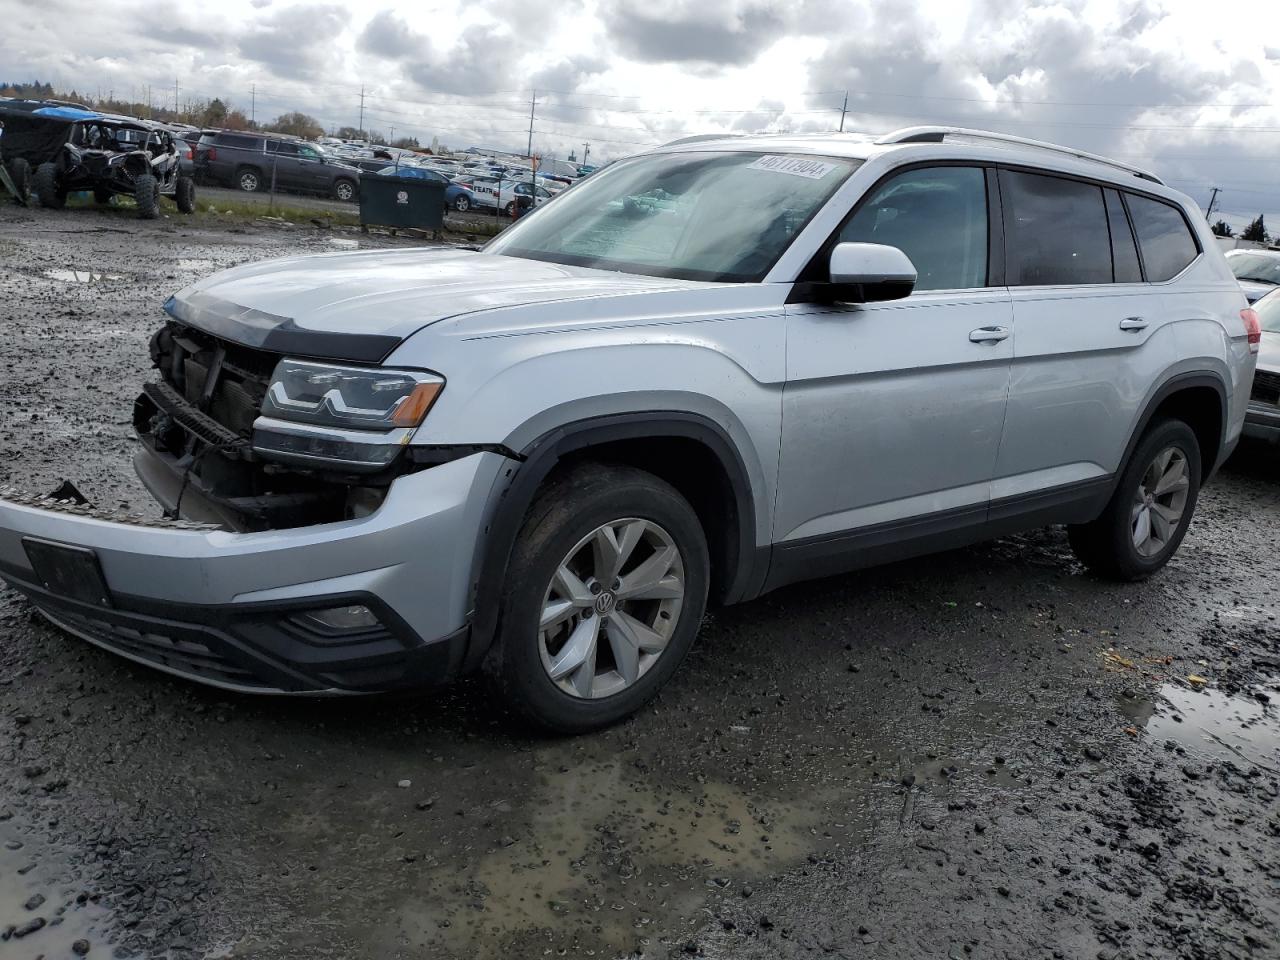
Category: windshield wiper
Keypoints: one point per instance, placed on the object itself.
(1274, 283)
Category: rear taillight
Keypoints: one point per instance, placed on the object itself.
(211, 154)
(1252, 327)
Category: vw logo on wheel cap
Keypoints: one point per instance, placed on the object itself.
(605, 602)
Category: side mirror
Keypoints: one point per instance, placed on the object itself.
(870, 272)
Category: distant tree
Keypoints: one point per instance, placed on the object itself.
(351, 133)
(1256, 231)
(297, 124)
(376, 137)
(214, 114)
(1222, 229)
(236, 120)
(407, 143)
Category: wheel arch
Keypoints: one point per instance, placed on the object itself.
(692, 452)
(1200, 398)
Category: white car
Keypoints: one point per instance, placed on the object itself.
(1257, 270)
(495, 193)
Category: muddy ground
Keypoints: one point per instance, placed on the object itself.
(987, 753)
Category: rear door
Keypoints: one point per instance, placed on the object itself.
(1083, 322)
(892, 411)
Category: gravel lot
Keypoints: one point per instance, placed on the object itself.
(982, 754)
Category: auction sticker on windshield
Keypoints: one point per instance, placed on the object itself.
(795, 166)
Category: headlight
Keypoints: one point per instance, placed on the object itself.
(360, 398)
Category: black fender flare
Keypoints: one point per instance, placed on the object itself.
(1168, 388)
(541, 456)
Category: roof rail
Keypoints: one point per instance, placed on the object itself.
(701, 137)
(928, 134)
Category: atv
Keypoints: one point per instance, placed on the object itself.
(116, 155)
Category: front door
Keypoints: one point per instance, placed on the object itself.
(892, 412)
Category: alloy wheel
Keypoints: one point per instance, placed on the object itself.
(611, 608)
(1160, 501)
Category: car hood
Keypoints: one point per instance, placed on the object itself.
(361, 306)
(1254, 289)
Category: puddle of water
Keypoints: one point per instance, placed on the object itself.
(81, 276)
(602, 856)
(35, 871)
(1211, 724)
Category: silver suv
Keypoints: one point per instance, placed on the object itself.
(702, 373)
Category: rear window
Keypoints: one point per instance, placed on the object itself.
(236, 140)
(1058, 231)
(1166, 241)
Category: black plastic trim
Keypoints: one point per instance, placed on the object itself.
(1167, 389)
(275, 334)
(542, 455)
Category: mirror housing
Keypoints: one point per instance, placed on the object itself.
(869, 272)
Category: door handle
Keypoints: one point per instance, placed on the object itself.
(988, 334)
(1133, 323)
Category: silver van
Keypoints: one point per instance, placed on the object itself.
(700, 374)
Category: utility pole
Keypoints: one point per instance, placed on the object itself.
(253, 102)
(175, 98)
(533, 99)
(586, 150)
(361, 127)
(1212, 200)
(843, 110)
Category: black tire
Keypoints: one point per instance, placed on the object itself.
(185, 195)
(45, 185)
(102, 197)
(1107, 545)
(566, 511)
(461, 204)
(249, 179)
(146, 193)
(345, 189)
(510, 209)
(20, 174)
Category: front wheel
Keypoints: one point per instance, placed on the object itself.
(146, 193)
(344, 190)
(1151, 508)
(185, 195)
(607, 587)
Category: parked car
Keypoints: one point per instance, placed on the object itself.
(1262, 420)
(1257, 270)
(249, 160)
(547, 456)
(495, 193)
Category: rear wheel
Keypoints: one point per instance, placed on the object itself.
(45, 185)
(249, 180)
(146, 193)
(1150, 511)
(462, 204)
(20, 174)
(607, 586)
(185, 195)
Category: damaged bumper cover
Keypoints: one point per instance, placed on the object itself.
(236, 610)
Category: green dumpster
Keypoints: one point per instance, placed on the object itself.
(395, 201)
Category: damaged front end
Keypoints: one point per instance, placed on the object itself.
(253, 440)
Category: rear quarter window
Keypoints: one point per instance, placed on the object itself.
(1164, 237)
(234, 140)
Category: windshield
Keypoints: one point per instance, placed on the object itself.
(1268, 311)
(699, 216)
(1253, 266)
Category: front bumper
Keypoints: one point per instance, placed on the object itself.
(1262, 422)
(217, 606)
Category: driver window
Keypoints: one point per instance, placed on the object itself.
(308, 153)
(937, 217)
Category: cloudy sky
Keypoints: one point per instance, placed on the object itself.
(1189, 88)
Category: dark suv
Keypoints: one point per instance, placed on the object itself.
(249, 161)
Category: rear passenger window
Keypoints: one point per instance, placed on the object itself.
(1057, 230)
(1167, 242)
(937, 217)
(1124, 252)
